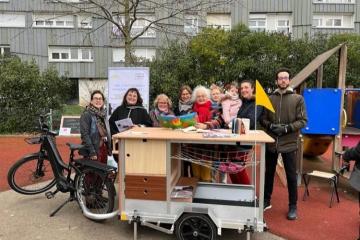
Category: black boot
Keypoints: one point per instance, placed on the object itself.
(292, 214)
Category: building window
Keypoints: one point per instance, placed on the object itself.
(4, 50)
(53, 21)
(145, 53)
(72, 54)
(334, 1)
(283, 25)
(222, 21)
(333, 21)
(272, 22)
(191, 25)
(142, 22)
(12, 20)
(257, 22)
(84, 21)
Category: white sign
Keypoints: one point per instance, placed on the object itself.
(65, 131)
(120, 79)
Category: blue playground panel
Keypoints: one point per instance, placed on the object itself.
(323, 110)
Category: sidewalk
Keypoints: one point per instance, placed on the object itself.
(27, 217)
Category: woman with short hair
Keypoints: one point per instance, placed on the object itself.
(162, 106)
(202, 107)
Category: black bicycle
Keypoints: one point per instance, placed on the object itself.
(90, 183)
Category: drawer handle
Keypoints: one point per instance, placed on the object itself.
(145, 192)
(145, 179)
(128, 155)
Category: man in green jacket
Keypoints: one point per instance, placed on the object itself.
(284, 126)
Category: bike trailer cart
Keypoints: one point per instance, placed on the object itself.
(153, 191)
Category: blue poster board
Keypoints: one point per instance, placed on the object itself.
(323, 106)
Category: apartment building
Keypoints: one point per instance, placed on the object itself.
(84, 46)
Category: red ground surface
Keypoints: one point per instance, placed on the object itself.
(14, 148)
(316, 219)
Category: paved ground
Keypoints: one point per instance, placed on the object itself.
(27, 217)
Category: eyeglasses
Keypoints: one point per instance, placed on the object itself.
(98, 99)
(283, 78)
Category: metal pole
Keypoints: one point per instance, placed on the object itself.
(51, 120)
(135, 230)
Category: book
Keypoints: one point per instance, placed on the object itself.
(124, 124)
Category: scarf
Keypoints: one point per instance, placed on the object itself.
(185, 106)
(203, 111)
(100, 118)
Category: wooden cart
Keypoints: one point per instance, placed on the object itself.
(149, 171)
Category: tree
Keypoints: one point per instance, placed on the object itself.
(217, 56)
(25, 93)
(124, 14)
(353, 70)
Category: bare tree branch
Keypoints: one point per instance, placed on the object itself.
(123, 14)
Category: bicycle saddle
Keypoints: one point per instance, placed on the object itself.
(74, 146)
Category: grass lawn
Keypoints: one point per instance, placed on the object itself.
(72, 110)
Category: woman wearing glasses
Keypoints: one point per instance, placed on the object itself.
(93, 129)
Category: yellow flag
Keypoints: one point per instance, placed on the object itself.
(262, 98)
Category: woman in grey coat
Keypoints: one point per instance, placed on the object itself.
(94, 129)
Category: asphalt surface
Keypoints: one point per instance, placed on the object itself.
(27, 217)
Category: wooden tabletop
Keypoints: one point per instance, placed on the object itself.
(178, 135)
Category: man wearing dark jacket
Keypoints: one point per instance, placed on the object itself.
(284, 126)
(353, 154)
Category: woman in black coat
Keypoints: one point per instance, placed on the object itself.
(131, 107)
(247, 109)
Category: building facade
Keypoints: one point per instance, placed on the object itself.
(84, 46)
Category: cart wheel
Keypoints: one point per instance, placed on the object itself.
(195, 226)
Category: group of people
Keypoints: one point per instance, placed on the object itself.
(215, 107)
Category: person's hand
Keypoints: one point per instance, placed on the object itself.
(93, 157)
(279, 129)
(201, 126)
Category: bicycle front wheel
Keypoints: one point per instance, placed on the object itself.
(31, 175)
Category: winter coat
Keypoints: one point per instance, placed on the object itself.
(353, 154)
(230, 109)
(203, 111)
(289, 109)
(154, 115)
(183, 108)
(90, 136)
(247, 110)
(137, 114)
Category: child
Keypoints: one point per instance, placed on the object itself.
(230, 103)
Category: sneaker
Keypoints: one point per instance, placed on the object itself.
(292, 214)
(267, 205)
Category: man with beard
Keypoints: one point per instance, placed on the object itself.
(284, 126)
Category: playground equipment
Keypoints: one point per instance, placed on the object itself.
(324, 108)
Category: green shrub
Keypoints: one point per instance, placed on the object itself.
(25, 93)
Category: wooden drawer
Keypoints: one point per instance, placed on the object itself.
(145, 187)
(145, 181)
(146, 193)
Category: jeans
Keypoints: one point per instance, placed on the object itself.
(289, 160)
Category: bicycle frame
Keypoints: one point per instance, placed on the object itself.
(64, 182)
